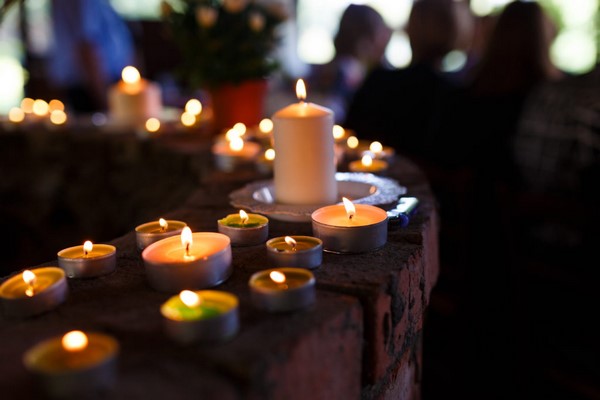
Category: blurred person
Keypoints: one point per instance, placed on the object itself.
(92, 44)
(398, 106)
(360, 44)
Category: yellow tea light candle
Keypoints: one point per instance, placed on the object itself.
(75, 365)
(350, 228)
(295, 251)
(368, 164)
(197, 260)
(88, 260)
(33, 292)
(235, 152)
(150, 232)
(304, 169)
(244, 229)
(201, 316)
(282, 289)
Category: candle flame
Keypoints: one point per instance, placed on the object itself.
(236, 143)
(130, 75)
(338, 132)
(290, 240)
(29, 278)
(352, 142)
(265, 125)
(301, 90)
(40, 107)
(187, 119)
(349, 206)
(87, 247)
(367, 160)
(376, 147)
(240, 128)
(189, 298)
(74, 341)
(186, 239)
(16, 114)
(243, 216)
(152, 124)
(277, 277)
(270, 154)
(193, 106)
(163, 224)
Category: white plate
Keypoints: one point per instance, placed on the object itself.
(359, 187)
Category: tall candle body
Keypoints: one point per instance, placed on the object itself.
(304, 166)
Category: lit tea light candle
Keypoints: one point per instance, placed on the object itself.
(33, 292)
(350, 228)
(151, 232)
(368, 164)
(193, 106)
(88, 260)
(380, 151)
(16, 115)
(134, 99)
(201, 316)
(244, 229)
(304, 169)
(197, 260)
(235, 152)
(265, 163)
(152, 125)
(295, 251)
(339, 133)
(282, 289)
(75, 364)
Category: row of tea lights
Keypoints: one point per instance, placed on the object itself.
(178, 260)
(240, 145)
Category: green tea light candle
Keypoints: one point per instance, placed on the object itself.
(201, 316)
(245, 229)
(76, 365)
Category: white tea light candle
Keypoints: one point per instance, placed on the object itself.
(88, 260)
(295, 251)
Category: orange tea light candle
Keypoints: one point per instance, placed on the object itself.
(244, 229)
(88, 260)
(350, 228)
(282, 289)
(75, 365)
(201, 316)
(150, 232)
(197, 260)
(33, 292)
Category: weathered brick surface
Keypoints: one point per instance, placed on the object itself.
(359, 340)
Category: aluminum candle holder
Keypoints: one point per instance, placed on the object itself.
(45, 291)
(151, 232)
(304, 252)
(78, 263)
(282, 289)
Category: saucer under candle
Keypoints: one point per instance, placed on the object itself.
(282, 289)
(75, 365)
(198, 260)
(33, 292)
(245, 229)
(150, 232)
(88, 260)
(201, 316)
(350, 228)
(295, 251)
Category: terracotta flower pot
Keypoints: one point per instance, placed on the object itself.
(234, 103)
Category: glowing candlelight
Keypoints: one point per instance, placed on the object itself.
(243, 217)
(16, 115)
(240, 128)
(300, 90)
(279, 279)
(366, 160)
(163, 224)
(130, 75)
(88, 246)
(352, 142)
(189, 298)
(27, 105)
(29, 279)
(269, 154)
(40, 107)
(350, 209)
(290, 240)
(187, 240)
(188, 119)
(236, 144)
(338, 132)
(193, 106)
(376, 147)
(56, 105)
(265, 125)
(152, 124)
(74, 341)
(282, 290)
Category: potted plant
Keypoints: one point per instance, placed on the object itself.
(227, 48)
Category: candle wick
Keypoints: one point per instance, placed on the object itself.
(85, 253)
(350, 217)
(187, 249)
(30, 291)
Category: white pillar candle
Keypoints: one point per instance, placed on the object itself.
(304, 168)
